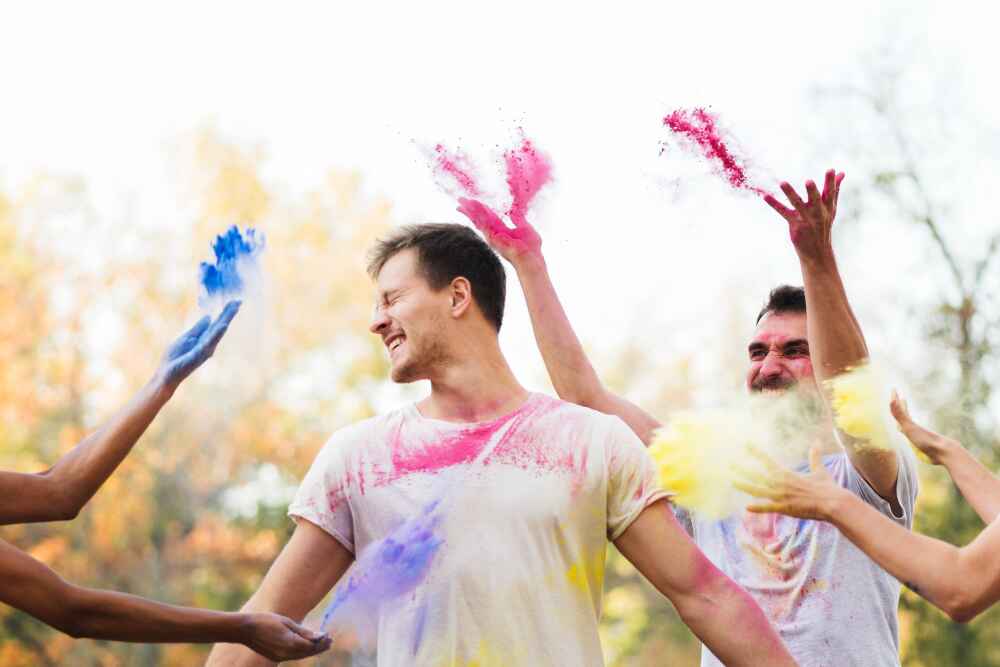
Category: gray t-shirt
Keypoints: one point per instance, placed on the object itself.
(831, 604)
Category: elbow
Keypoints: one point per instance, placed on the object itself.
(61, 504)
(962, 608)
(588, 397)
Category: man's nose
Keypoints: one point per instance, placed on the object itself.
(379, 321)
(771, 365)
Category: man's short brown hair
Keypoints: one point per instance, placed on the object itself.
(784, 299)
(445, 252)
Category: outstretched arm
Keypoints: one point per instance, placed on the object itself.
(960, 581)
(308, 567)
(835, 339)
(61, 492)
(723, 615)
(30, 586)
(978, 485)
(572, 374)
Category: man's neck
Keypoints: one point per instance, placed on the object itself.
(477, 388)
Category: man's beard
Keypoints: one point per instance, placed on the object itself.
(420, 364)
(772, 384)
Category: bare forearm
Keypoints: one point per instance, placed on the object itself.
(835, 338)
(60, 492)
(569, 368)
(728, 621)
(951, 578)
(117, 616)
(978, 485)
(572, 374)
(82, 471)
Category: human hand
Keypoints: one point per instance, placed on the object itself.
(930, 446)
(194, 347)
(810, 222)
(806, 496)
(515, 244)
(279, 638)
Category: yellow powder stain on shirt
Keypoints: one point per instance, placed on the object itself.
(860, 406)
(485, 657)
(587, 574)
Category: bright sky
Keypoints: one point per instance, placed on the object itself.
(638, 243)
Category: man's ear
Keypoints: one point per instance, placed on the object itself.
(461, 296)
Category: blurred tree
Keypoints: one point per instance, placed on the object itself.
(196, 514)
(923, 159)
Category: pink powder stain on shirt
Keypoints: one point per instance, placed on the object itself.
(699, 127)
(528, 171)
(454, 165)
(515, 447)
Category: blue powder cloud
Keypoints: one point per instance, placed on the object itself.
(235, 253)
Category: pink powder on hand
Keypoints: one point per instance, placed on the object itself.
(698, 127)
(455, 166)
(528, 171)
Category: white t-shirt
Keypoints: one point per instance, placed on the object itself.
(529, 502)
(832, 605)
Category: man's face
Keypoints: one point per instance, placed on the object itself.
(779, 354)
(409, 317)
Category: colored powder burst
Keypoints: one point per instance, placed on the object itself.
(453, 167)
(859, 402)
(383, 572)
(528, 171)
(699, 454)
(699, 128)
(236, 269)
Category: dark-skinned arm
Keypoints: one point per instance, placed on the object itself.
(306, 569)
(60, 492)
(30, 586)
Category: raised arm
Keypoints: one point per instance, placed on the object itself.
(61, 492)
(978, 485)
(835, 339)
(306, 569)
(960, 581)
(572, 374)
(723, 615)
(30, 586)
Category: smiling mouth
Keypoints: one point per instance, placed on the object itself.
(392, 344)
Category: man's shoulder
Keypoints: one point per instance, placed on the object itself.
(560, 409)
(369, 430)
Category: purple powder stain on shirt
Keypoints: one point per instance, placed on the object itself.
(385, 571)
(233, 250)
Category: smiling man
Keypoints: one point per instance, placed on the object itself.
(530, 491)
(830, 603)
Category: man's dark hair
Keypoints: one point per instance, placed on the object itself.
(784, 299)
(445, 252)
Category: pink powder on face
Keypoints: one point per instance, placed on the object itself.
(528, 171)
(698, 127)
(455, 166)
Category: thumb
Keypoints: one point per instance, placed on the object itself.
(303, 631)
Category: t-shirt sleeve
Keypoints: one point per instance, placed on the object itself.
(322, 498)
(632, 481)
(907, 484)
